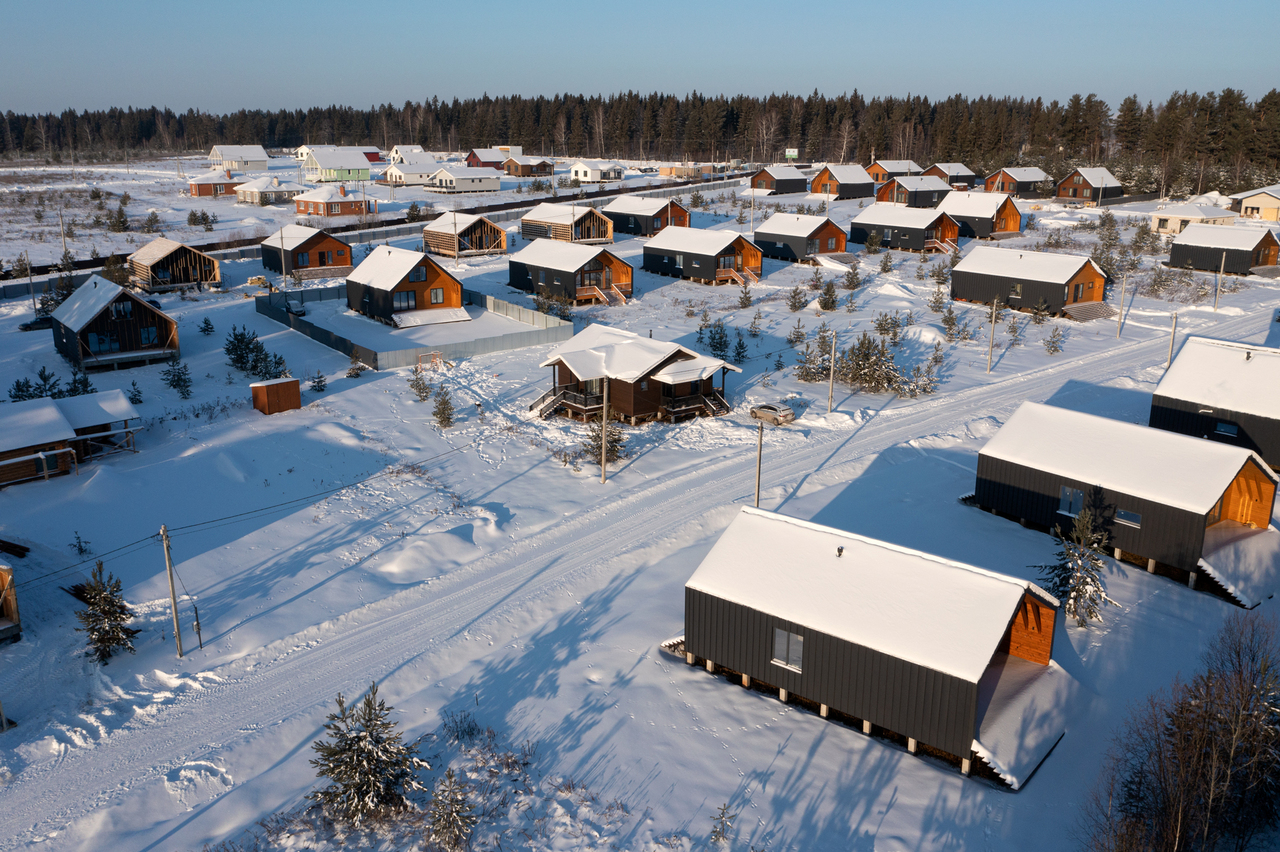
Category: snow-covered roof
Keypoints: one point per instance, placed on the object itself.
(215, 176)
(327, 192)
(522, 160)
(557, 254)
(791, 225)
(954, 169)
(790, 569)
(922, 183)
(691, 370)
(96, 409)
(157, 249)
(851, 173)
(290, 237)
(1151, 464)
(239, 152)
(428, 167)
(280, 381)
(349, 159)
(692, 240)
(89, 300)
(386, 266)
(558, 213)
(1194, 211)
(1205, 235)
(1024, 264)
(896, 216)
(269, 184)
(32, 422)
(1225, 374)
(637, 205)
(1023, 174)
(784, 173)
(491, 155)
(907, 166)
(1022, 713)
(982, 204)
(601, 351)
(466, 172)
(417, 158)
(598, 165)
(1096, 176)
(450, 223)
(1273, 191)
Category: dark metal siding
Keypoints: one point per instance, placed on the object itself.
(524, 276)
(979, 287)
(781, 246)
(856, 190)
(911, 239)
(937, 709)
(790, 185)
(1169, 535)
(271, 258)
(622, 223)
(974, 226)
(380, 303)
(925, 198)
(1239, 261)
(67, 344)
(1260, 434)
(663, 262)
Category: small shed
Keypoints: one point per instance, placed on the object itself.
(492, 158)
(779, 180)
(276, 395)
(956, 175)
(643, 216)
(10, 621)
(306, 253)
(523, 166)
(1158, 495)
(913, 191)
(35, 441)
(843, 181)
(790, 236)
(571, 271)
(332, 200)
(712, 257)
(943, 653)
(1021, 278)
(458, 179)
(104, 325)
(463, 235)
(268, 190)
(593, 171)
(240, 158)
(906, 228)
(164, 264)
(1261, 203)
(402, 287)
(1224, 391)
(982, 214)
(1019, 181)
(1228, 248)
(577, 223)
(1090, 184)
(217, 184)
(883, 170)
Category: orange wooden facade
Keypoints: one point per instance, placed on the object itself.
(437, 278)
(829, 231)
(673, 214)
(1002, 181)
(1030, 633)
(272, 397)
(1087, 285)
(823, 182)
(1249, 498)
(939, 172)
(1008, 220)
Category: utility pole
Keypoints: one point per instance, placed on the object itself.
(831, 373)
(1173, 332)
(63, 229)
(759, 454)
(456, 239)
(1120, 317)
(604, 431)
(1217, 282)
(173, 595)
(991, 344)
(30, 285)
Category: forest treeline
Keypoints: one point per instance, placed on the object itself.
(1190, 142)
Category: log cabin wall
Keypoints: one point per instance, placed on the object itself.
(31, 469)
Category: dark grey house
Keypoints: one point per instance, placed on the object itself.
(570, 271)
(1224, 391)
(1022, 279)
(955, 174)
(792, 236)
(1230, 248)
(896, 639)
(636, 214)
(981, 215)
(712, 257)
(1165, 500)
(913, 190)
(779, 180)
(905, 228)
(103, 325)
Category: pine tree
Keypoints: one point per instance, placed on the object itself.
(368, 766)
(796, 299)
(718, 340)
(105, 616)
(744, 295)
(49, 385)
(796, 335)
(444, 407)
(79, 384)
(134, 393)
(205, 327)
(754, 328)
(1040, 313)
(355, 368)
(615, 443)
(955, 255)
(178, 377)
(873, 242)
(452, 818)
(828, 300)
(419, 384)
(318, 382)
(850, 303)
(778, 363)
(1076, 578)
(193, 218)
(22, 390)
(886, 262)
(414, 213)
(851, 279)
(1015, 332)
(938, 299)
(951, 325)
(740, 349)
(721, 823)
(1053, 343)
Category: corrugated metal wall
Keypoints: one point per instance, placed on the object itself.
(1260, 434)
(978, 287)
(1206, 259)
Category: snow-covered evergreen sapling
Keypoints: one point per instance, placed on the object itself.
(452, 817)
(718, 340)
(1015, 332)
(797, 335)
(1076, 578)
(205, 327)
(615, 442)
(1040, 313)
(740, 349)
(938, 299)
(318, 382)
(369, 767)
(828, 300)
(851, 279)
(178, 377)
(105, 617)
(744, 295)
(778, 363)
(1053, 343)
(886, 262)
(79, 384)
(355, 368)
(419, 384)
(443, 410)
(873, 240)
(721, 823)
(796, 299)
(134, 393)
(754, 328)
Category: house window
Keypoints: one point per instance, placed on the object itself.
(304, 258)
(1215, 514)
(542, 277)
(1079, 292)
(1129, 519)
(644, 385)
(405, 300)
(1162, 224)
(888, 234)
(811, 247)
(333, 209)
(122, 310)
(1227, 430)
(418, 273)
(1182, 226)
(788, 649)
(831, 243)
(103, 342)
(342, 252)
(657, 222)
(1077, 179)
(148, 336)
(679, 261)
(1016, 291)
(1086, 193)
(1070, 500)
(437, 295)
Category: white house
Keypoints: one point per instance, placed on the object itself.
(1173, 219)
(590, 171)
(465, 179)
(239, 158)
(268, 190)
(411, 173)
(399, 152)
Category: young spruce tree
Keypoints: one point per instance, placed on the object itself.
(452, 816)
(105, 616)
(1076, 578)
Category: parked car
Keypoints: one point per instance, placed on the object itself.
(36, 324)
(777, 413)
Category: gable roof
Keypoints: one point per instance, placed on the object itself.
(1164, 467)
(849, 173)
(32, 422)
(1193, 211)
(217, 176)
(1025, 264)
(560, 213)
(1023, 174)
(784, 173)
(953, 169)
(598, 165)
(158, 249)
(268, 184)
(240, 152)
(415, 167)
(491, 155)
(96, 409)
(983, 204)
(921, 183)
(1202, 234)
(90, 299)
(451, 223)
(349, 159)
(1225, 374)
(790, 569)
(637, 205)
(791, 224)
(557, 254)
(909, 166)
(601, 351)
(693, 240)
(523, 160)
(386, 266)
(326, 192)
(468, 172)
(291, 236)
(1273, 191)
(1097, 177)
(897, 216)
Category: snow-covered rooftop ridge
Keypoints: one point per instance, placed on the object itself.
(954, 169)
(922, 183)
(32, 423)
(240, 152)
(1022, 174)
(964, 203)
(907, 166)
(1049, 267)
(526, 160)
(600, 351)
(1151, 464)
(451, 223)
(1273, 190)
(692, 240)
(326, 192)
(791, 225)
(268, 184)
(598, 165)
(784, 173)
(88, 300)
(557, 254)
(637, 205)
(549, 211)
(425, 166)
(386, 266)
(1225, 374)
(897, 216)
(792, 569)
(849, 173)
(157, 249)
(1098, 177)
(495, 155)
(97, 409)
(215, 176)
(1194, 211)
(290, 237)
(1221, 236)
(465, 171)
(349, 159)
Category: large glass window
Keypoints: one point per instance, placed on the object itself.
(148, 336)
(1227, 430)
(122, 310)
(304, 258)
(788, 649)
(406, 300)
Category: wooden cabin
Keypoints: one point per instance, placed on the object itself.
(268, 190)
(643, 216)
(103, 325)
(779, 180)
(276, 395)
(1157, 495)
(592, 171)
(820, 616)
(463, 235)
(523, 166)
(1089, 184)
(401, 287)
(1224, 391)
(711, 257)
(239, 158)
(793, 237)
(955, 175)
(576, 223)
(332, 200)
(843, 181)
(885, 170)
(219, 184)
(163, 264)
(1175, 218)
(492, 158)
(982, 215)
(41, 438)
(913, 191)
(462, 179)
(1235, 250)
(1262, 203)
(105, 423)
(581, 273)
(906, 228)
(10, 621)
(306, 253)
(1018, 182)
(1021, 278)
(330, 165)
(647, 379)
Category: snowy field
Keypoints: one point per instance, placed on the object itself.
(469, 570)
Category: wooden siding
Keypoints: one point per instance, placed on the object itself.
(673, 215)
(894, 192)
(277, 396)
(184, 265)
(594, 225)
(1087, 285)
(1030, 633)
(936, 709)
(702, 267)
(935, 171)
(1254, 432)
(1250, 497)
(30, 469)
(1069, 188)
(793, 248)
(824, 183)
(1002, 181)
(482, 236)
(379, 303)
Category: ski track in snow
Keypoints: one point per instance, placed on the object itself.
(176, 739)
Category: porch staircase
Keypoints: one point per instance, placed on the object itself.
(546, 404)
(715, 404)
(944, 246)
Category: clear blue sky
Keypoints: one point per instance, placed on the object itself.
(222, 56)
